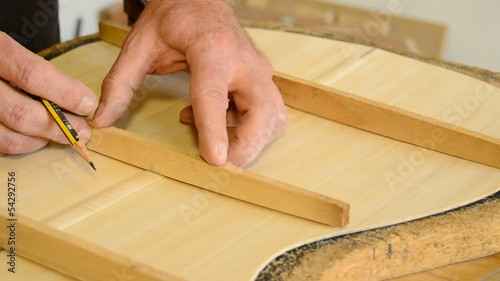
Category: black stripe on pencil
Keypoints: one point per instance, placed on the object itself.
(68, 130)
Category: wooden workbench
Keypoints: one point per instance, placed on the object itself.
(393, 250)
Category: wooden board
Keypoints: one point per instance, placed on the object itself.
(439, 231)
(363, 113)
(68, 254)
(227, 180)
(196, 233)
(382, 27)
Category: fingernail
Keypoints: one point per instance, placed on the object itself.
(87, 106)
(85, 134)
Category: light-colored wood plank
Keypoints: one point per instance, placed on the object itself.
(68, 254)
(30, 270)
(330, 158)
(370, 115)
(228, 180)
(113, 33)
(87, 206)
(342, 152)
(389, 121)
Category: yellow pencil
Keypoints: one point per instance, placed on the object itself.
(68, 130)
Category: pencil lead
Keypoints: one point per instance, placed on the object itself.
(92, 165)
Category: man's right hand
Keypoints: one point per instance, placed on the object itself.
(25, 124)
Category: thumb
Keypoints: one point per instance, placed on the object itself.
(118, 87)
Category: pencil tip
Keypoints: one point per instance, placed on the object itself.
(92, 165)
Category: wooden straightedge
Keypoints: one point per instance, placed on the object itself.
(228, 180)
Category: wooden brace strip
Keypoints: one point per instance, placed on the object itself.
(369, 115)
(389, 121)
(227, 180)
(71, 255)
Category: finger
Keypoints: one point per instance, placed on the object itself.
(233, 117)
(118, 89)
(263, 119)
(12, 142)
(251, 136)
(125, 77)
(186, 116)
(39, 77)
(209, 100)
(281, 112)
(24, 115)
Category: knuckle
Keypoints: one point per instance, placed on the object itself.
(221, 38)
(211, 96)
(30, 75)
(107, 85)
(22, 117)
(269, 112)
(248, 150)
(110, 82)
(255, 63)
(267, 68)
(280, 125)
(209, 43)
(276, 121)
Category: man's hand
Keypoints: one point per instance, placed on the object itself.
(25, 124)
(204, 36)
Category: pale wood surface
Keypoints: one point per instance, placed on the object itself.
(473, 270)
(227, 180)
(390, 121)
(69, 254)
(199, 235)
(364, 113)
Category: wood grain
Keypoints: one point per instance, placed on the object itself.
(371, 115)
(124, 208)
(113, 33)
(70, 255)
(227, 180)
(389, 121)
